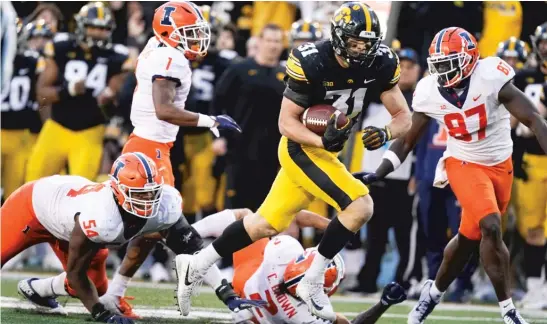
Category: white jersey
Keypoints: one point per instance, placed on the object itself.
(266, 282)
(57, 200)
(158, 61)
(479, 131)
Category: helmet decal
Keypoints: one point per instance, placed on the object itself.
(166, 21)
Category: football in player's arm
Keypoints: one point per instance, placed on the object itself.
(514, 100)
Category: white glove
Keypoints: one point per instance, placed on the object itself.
(111, 303)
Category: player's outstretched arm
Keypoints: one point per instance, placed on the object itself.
(163, 95)
(291, 126)
(523, 109)
(398, 151)
(393, 294)
(396, 104)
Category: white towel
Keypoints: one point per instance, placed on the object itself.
(441, 178)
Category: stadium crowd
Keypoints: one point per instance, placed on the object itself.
(84, 130)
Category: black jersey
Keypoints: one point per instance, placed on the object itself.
(74, 63)
(19, 106)
(314, 76)
(531, 82)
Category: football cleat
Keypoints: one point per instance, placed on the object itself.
(43, 304)
(425, 305)
(189, 280)
(513, 317)
(312, 292)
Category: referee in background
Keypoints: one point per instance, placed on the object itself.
(251, 92)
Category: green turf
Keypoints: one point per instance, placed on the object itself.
(164, 299)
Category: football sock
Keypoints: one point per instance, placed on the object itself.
(318, 266)
(207, 257)
(214, 225)
(213, 277)
(50, 287)
(335, 238)
(506, 305)
(534, 257)
(119, 284)
(233, 239)
(435, 293)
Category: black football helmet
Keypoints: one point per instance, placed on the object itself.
(305, 30)
(94, 14)
(541, 50)
(358, 21)
(31, 30)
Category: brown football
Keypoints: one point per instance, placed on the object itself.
(316, 118)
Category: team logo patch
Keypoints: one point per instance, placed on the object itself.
(167, 14)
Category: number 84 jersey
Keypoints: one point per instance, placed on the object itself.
(314, 76)
(477, 123)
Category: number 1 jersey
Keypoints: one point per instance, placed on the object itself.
(479, 131)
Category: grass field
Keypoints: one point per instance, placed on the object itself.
(157, 306)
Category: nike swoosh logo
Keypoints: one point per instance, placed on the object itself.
(316, 306)
(186, 282)
(477, 98)
(368, 81)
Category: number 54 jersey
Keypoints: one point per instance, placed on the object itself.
(57, 200)
(477, 123)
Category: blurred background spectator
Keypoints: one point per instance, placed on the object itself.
(243, 76)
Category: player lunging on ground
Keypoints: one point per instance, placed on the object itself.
(473, 99)
(347, 71)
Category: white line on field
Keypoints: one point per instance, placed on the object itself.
(219, 314)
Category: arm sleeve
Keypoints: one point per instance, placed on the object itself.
(298, 87)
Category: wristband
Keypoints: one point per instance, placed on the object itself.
(393, 158)
(205, 121)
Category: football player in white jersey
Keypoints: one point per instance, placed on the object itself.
(473, 99)
(164, 77)
(271, 270)
(80, 218)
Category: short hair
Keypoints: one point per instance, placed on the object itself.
(270, 26)
(231, 28)
(47, 6)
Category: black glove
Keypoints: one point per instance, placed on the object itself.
(226, 293)
(393, 294)
(366, 177)
(334, 138)
(101, 314)
(374, 137)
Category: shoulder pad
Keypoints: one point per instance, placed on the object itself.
(282, 249)
(164, 53)
(100, 228)
(493, 68)
(423, 90)
(120, 49)
(171, 205)
(303, 62)
(227, 54)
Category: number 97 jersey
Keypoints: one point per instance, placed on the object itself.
(314, 76)
(477, 123)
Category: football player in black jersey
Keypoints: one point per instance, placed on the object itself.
(83, 73)
(20, 118)
(514, 52)
(305, 31)
(531, 175)
(347, 71)
(200, 184)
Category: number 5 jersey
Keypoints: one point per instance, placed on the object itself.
(477, 123)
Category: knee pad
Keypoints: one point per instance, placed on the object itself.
(183, 238)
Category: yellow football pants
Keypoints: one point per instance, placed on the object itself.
(57, 145)
(16, 148)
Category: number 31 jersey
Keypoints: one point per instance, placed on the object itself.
(314, 76)
(479, 131)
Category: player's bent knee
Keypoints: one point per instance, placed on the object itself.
(491, 227)
(361, 209)
(258, 227)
